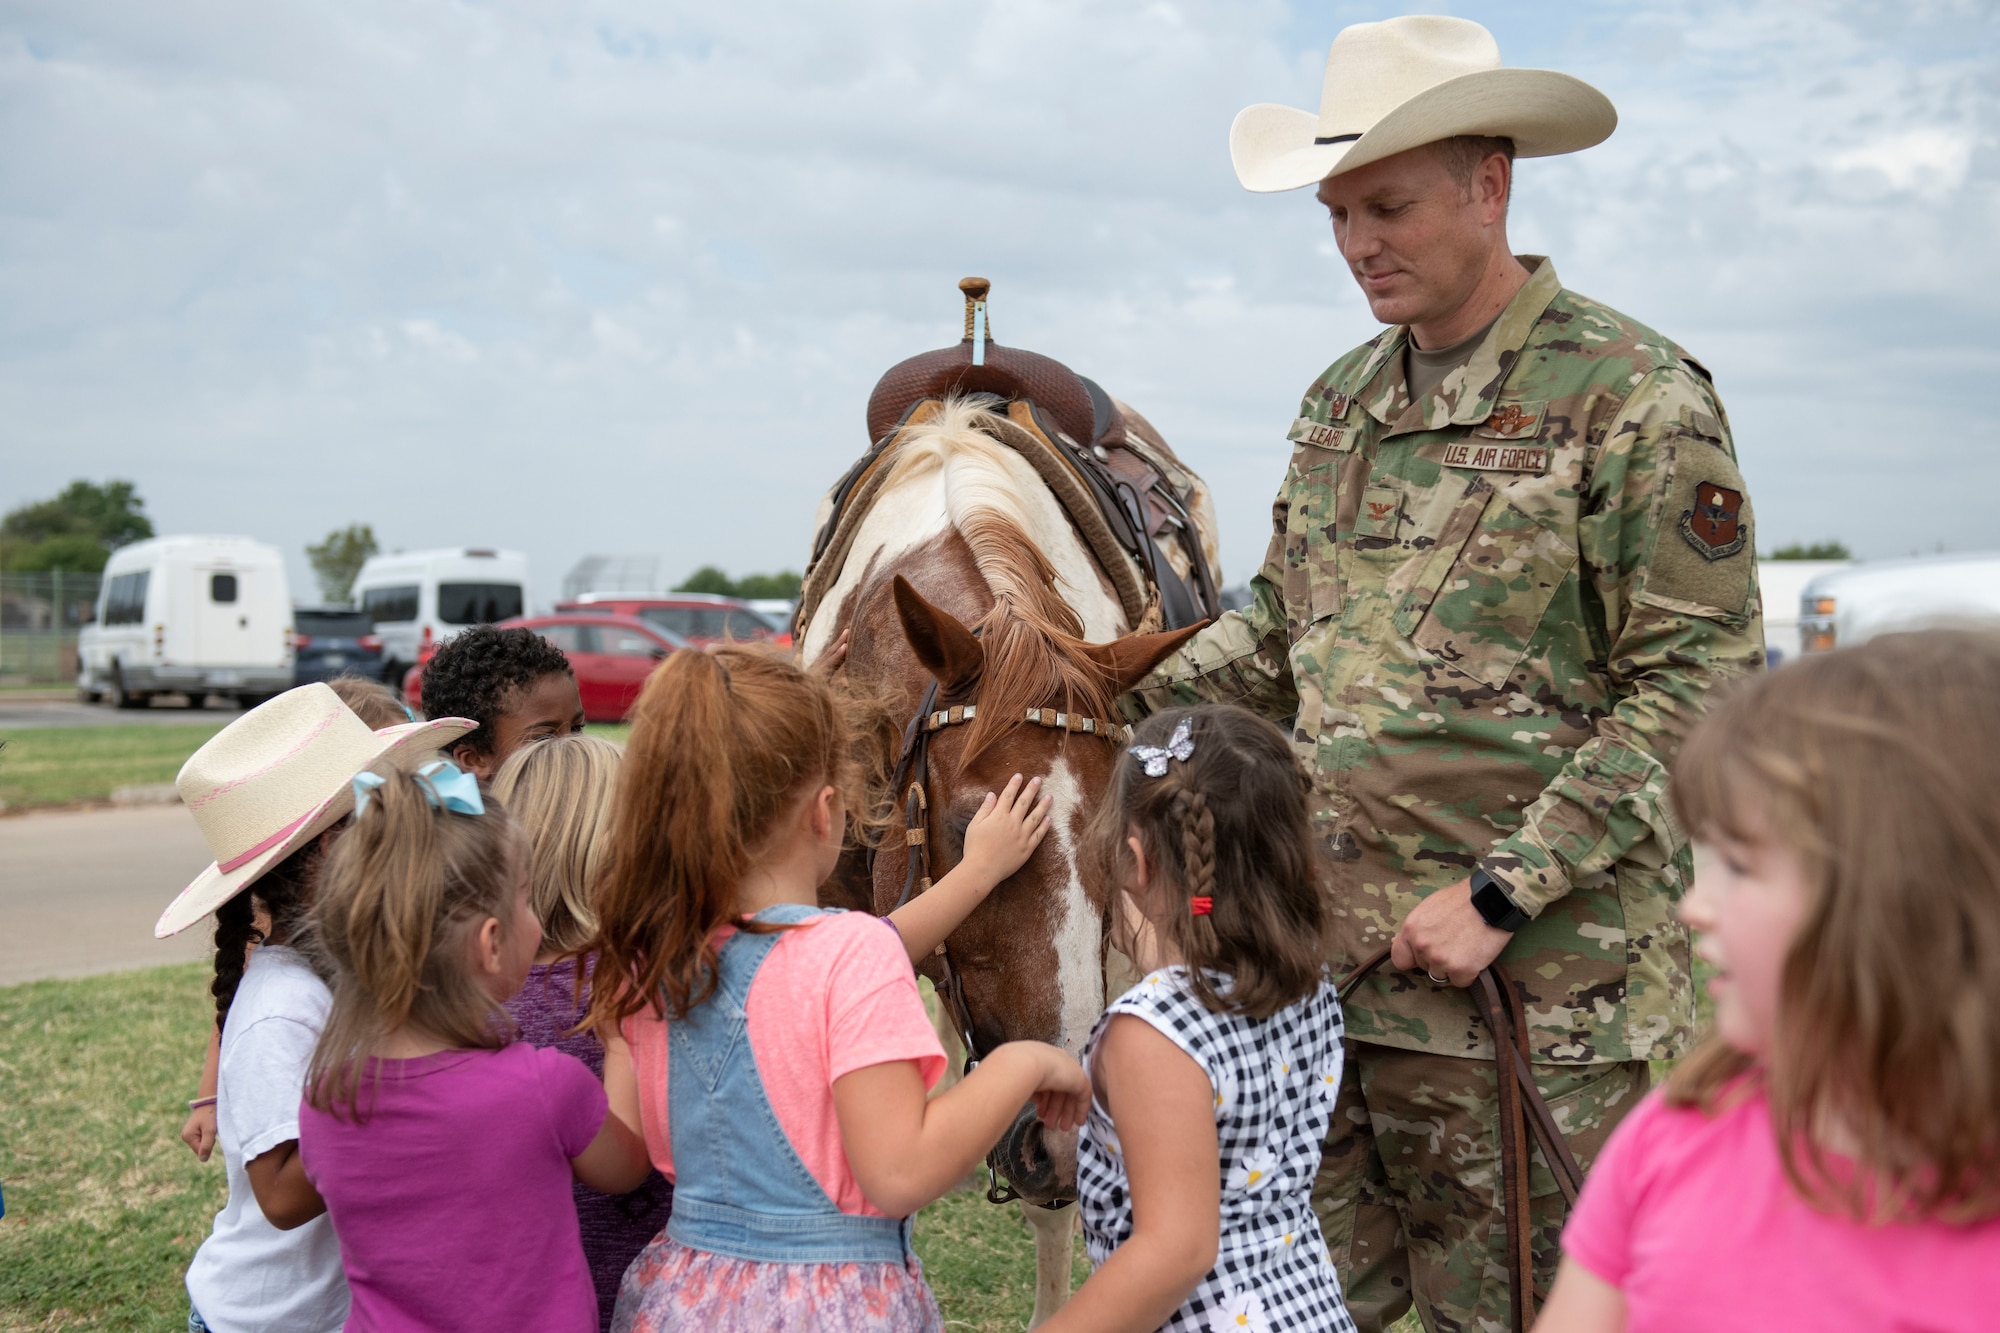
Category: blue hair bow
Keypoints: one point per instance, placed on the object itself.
(446, 786)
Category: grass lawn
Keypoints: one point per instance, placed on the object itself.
(53, 765)
(105, 1205)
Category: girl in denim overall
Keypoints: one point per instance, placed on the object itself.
(777, 1055)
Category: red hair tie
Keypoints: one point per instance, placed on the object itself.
(1201, 906)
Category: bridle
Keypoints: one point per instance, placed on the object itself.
(913, 769)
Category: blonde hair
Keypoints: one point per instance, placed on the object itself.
(372, 701)
(559, 792)
(1878, 766)
(401, 893)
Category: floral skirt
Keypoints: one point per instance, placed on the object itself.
(670, 1287)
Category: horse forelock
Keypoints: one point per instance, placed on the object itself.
(1033, 637)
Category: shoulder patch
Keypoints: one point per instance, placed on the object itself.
(1714, 527)
(1702, 550)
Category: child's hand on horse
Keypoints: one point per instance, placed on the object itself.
(1010, 824)
(1063, 1099)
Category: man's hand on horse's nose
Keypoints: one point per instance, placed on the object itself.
(1446, 939)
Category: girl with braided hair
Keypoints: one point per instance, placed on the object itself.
(1213, 1079)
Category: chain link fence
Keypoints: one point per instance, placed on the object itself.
(40, 615)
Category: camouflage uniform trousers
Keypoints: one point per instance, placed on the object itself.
(1409, 1191)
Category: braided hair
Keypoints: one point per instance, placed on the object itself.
(285, 893)
(1235, 889)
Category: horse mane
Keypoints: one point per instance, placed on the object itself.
(1032, 638)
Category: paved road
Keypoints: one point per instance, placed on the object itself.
(81, 889)
(69, 713)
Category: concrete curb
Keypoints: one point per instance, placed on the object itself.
(151, 793)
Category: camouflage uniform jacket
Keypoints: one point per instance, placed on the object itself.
(1491, 618)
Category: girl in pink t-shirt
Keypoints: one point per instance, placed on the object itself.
(1830, 1158)
(443, 1148)
(782, 1053)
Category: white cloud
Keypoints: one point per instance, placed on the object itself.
(617, 277)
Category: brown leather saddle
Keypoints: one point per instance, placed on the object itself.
(1129, 478)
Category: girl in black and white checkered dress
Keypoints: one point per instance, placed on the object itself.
(1214, 1077)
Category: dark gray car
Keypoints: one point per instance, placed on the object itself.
(334, 641)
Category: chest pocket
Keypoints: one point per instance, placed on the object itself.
(1482, 595)
(1312, 577)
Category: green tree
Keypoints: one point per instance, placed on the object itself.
(339, 558)
(711, 579)
(1812, 551)
(708, 579)
(783, 584)
(76, 530)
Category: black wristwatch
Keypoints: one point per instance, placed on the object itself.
(1494, 905)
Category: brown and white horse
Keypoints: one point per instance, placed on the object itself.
(977, 541)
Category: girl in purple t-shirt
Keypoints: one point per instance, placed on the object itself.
(560, 791)
(1830, 1158)
(443, 1148)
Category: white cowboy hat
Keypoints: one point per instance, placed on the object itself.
(276, 778)
(1404, 82)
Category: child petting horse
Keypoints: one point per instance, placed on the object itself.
(1830, 1157)
(782, 1052)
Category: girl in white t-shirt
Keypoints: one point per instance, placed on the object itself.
(270, 792)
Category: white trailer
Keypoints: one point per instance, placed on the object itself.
(1849, 606)
(418, 599)
(1781, 583)
(189, 615)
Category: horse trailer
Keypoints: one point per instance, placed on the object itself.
(188, 615)
(418, 599)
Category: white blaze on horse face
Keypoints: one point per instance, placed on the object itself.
(1079, 972)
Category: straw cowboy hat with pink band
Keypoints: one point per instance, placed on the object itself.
(278, 777)
(1405, 82)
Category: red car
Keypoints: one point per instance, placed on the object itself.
(702, 619)
(611, 655)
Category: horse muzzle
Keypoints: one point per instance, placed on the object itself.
(1040, 1163)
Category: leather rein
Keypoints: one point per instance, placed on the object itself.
(1522, 1112)
(913, 769)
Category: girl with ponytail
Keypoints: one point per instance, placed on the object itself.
(1214, 1078)
(781, 1052)
(443, 1148)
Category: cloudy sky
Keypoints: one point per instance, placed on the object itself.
(618, 277)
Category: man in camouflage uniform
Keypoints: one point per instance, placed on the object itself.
(1492, 605)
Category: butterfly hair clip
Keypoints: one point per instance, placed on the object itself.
(1153, 758)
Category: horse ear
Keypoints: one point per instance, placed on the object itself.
(942, 644)
(1126, 661)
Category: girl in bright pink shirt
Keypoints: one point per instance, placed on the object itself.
(1830, 1158)
(782, 1053)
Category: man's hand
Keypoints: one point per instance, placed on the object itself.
(1444, 937)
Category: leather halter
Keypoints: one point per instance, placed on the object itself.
(1522, 1110)
(913, 768)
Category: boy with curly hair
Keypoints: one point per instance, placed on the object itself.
(514, 683)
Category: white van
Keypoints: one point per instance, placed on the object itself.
(418, 599)
(1853, 605)
(1781, 583)
(190, 615)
